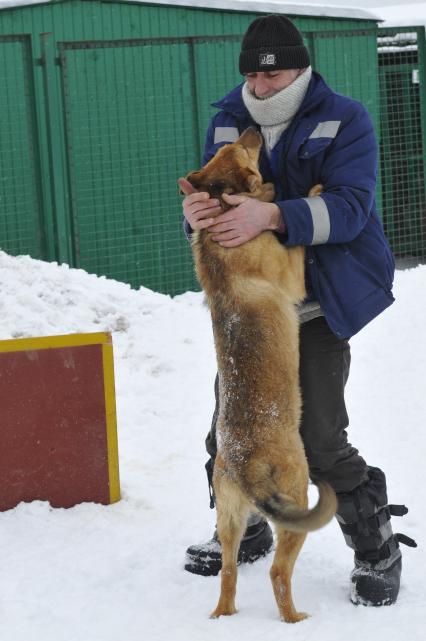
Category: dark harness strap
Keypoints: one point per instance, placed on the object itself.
(406, 540)
(376, 520)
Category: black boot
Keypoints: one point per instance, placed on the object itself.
(364, 517)
(206, 558)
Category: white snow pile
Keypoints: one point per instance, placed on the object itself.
(102, 573)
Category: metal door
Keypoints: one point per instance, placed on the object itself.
(130, 132)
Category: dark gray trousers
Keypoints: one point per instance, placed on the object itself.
(324, 370)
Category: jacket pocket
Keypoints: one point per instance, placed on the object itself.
(312, 147)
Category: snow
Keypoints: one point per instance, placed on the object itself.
(274, 6)
(398, 14)
(10, 4)
(403, 41)
(271, 6)
(402, 15)
(98, 573)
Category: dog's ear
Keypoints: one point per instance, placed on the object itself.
(251, 140)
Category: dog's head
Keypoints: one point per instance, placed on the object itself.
(233, 170)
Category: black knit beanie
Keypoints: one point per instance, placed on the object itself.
(272, 42)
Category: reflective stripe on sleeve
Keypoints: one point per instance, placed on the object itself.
(226, 134)
(320, 219)
(327, 129)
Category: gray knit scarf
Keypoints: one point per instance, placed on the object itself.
(274, 114)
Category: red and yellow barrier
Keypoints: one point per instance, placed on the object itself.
(58, 429)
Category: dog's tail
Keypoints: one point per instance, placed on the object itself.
(283, 509)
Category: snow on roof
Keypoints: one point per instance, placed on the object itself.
(255, 6)
(397, 42)
(6, 4)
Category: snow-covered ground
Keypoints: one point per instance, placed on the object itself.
(97, 573)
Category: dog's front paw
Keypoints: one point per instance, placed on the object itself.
(267, 192)
(316, 190)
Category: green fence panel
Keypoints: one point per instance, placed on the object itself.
(402, 93)
(348, 62)
(216, 73)
(129, 111)
(21, 229)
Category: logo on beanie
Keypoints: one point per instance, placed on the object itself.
(267, 59)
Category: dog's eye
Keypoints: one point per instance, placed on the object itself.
(217, 186)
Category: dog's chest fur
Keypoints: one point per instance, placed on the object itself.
(255, 329)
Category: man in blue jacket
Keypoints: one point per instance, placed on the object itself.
(312, 135)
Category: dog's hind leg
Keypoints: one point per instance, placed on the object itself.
(232, 513)
(288, 548)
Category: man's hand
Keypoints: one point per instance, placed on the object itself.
(198, 208)
(248, 218)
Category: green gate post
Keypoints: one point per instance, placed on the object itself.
(422, 80)
(54, 132)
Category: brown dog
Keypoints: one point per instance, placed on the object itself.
(252, 291)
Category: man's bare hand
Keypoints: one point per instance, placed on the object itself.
(198, 208)
(248, 218)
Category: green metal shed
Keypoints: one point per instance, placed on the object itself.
(105, 103)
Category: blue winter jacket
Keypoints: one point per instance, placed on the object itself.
(349, 265)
